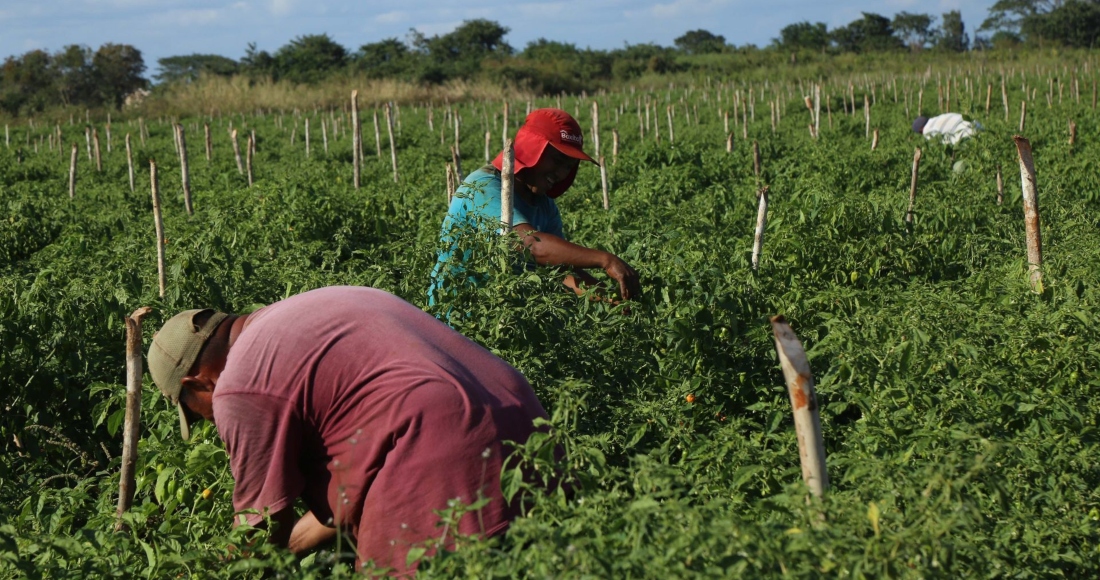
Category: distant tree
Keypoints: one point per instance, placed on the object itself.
(804, 35)
(309, 58)
(1075, 23)
(952, 34)
(26, 82)
(549, 50)
(871, 33)
(386, 58)
(459, 53)
(1066, 22)
(915, 30)
(256, 63)
(1009, 15)
(118, 69)
(700, 42)
(75, 75)
(190, 67)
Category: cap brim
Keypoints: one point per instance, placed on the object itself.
(185, 426)
(572, 151)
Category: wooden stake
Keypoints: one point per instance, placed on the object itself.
(393, 146)
(95, 142)
(988, 96)
(356, 138)
(456, 158)
(1072, 133)
(207, 142)
(158, 223)
(1031, 213)
(72, 173)
(913, 190)
(130, 162)
(671, 133)
(186, 175)
(504, 125)
(1023, 115)
(603, 184)
(874, 139)
(307, 136)
(761, 223)
(450, 184)
(248, 160)
(236, 151)
(488, 137)
(867, 115)
(807, 420)
(131, 431)
(507, 186)
(324, 135)
(377, 136)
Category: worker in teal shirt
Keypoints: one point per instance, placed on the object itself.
(548, 151)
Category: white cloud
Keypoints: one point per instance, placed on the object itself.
(435, 28)
(680, 8)
(281, 7)
(193, 17)
(393, 17)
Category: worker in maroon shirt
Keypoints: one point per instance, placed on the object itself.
(373, 412)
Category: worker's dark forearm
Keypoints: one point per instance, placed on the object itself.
(550, 250)
(309, 533)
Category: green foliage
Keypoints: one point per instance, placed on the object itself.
(700, 42)
(952, 34)
(959, 408)
(915, 30)
(190, 67)
(871, 33)
(805, 35)
(309, 58)
(75, 75)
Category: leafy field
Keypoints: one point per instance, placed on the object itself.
(959, 408)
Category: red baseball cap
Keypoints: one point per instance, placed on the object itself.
(553, 127)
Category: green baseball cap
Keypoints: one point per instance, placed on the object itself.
(174, 350)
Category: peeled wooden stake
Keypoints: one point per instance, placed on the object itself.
(807, 420)
(1031, 213)
(761, 224)
(874, 139)
(507, 186)
(158, 223)
(237, 151)
(132, 429)
(72, 173)
(186, 175)
(393, 147)
(130, 162)
(603, 184)
(913, 190)
(356, 138)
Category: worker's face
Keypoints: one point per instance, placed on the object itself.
(553, 168)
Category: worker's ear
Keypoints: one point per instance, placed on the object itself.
(197, 384)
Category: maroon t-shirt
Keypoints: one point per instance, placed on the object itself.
(372, 411)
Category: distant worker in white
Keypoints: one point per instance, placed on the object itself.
(951, 128)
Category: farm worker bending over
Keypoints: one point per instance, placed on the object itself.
(373, 412)
(951, 128)
(548, 151)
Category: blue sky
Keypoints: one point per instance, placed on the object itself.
(162, 28)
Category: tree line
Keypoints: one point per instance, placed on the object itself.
(477, 49)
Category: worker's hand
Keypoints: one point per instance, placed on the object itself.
(621, 272)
